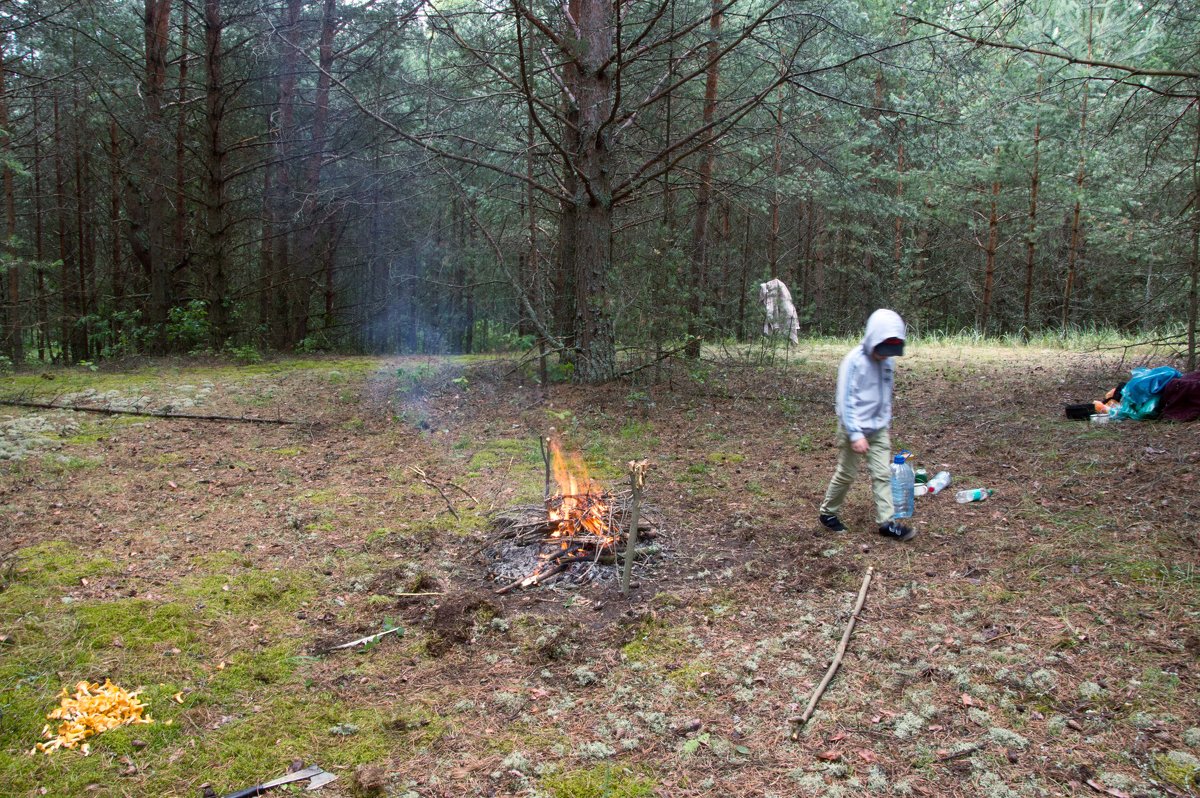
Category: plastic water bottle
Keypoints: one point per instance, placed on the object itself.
(972, 495)
(939, 482)
(902, 487)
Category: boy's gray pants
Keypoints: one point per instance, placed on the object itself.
(879, 457)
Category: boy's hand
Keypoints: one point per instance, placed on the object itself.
(860, 445)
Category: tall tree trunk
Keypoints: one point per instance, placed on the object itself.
(116, 267)
(157, 34)
(316, 158)
(288, 288)
(39, 253)
(592, 201)
(179, 247)
(745, 281)
(704, 189)
(1031, 233)
(216, 270)
(776, 195)
(992, 242)
(16, 351)
(1076, 231)
(65, 284)
(1194, 290)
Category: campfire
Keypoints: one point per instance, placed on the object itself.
(578, 535)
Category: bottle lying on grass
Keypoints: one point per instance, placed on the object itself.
(972, 495)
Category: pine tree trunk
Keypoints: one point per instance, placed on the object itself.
(316, 230)
(116, 267)
(591, 205)
(43, 310)
(216, 268)
(65, 284)
(992, 243)
(179, 246)
(1031, 233)
(1076, 231)
(704, 189)
(16, 350)
(157, 34)
(1194, 289)
(287, 287)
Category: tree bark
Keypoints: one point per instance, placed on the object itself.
(1031, 233)
(1194, 290)
(39, 253)
(591, 205)
(992, 242)
(16, 350)
(287, 288)
(216, 271)
(1076, 231)
(704, 189)
(157, 35)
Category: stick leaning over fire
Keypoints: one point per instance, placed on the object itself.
(799, 721)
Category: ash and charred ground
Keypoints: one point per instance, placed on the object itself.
(1042, 642)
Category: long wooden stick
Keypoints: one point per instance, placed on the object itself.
(637, 480)
(154, 413)
(800, 720)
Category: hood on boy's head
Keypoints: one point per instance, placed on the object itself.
(882, 325)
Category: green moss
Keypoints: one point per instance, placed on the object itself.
(288, 451)
(318, 496)
(637, 431)
(724, 458)
(64, 463)
(656, 641)
(601, 781)
(136, 626)
(58, 564)
(251, 592)
(1178, 768)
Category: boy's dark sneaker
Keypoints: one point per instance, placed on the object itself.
(897, 531)
(832, 523)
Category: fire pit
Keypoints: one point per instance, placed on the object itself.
(577, 536)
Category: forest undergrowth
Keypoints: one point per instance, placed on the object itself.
(1040, 643)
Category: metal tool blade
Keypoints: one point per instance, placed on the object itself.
(311, 772)
(320, 780)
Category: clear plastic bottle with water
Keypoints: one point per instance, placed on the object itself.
(902, 488)
(939, 482)
(972, 495)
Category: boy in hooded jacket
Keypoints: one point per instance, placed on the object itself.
(864, 411)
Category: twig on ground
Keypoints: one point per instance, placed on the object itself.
(425, 480)
(970, 749)
(362, 641)
(800, 720)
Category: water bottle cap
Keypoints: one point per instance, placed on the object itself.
(898, 459)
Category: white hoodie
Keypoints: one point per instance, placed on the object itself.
(864, 386)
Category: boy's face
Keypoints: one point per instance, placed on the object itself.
(878, 358)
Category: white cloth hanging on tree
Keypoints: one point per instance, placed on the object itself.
(776, 300)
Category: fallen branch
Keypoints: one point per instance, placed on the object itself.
(800, 720)
(362, 641)
(970, 749)
(153, 413)
(425, 480)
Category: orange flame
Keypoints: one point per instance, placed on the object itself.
(579, 506)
